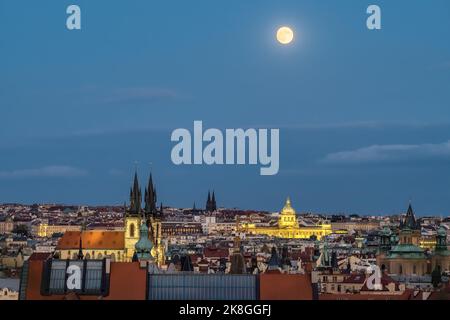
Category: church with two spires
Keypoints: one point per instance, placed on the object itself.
(126, 245)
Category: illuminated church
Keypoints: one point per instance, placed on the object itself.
(288, 226)
(121, 245)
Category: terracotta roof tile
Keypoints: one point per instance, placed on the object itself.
(92, 239)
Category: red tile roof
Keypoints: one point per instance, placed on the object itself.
(288, 287)
(92, 239)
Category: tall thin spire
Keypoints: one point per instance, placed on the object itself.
(410, 219)
(80, 250)
(213, 202)
(150, 198)
(135, 196)
(208, 202)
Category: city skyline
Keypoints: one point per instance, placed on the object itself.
(203, 204)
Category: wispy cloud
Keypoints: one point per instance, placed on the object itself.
(47, 171)
(389, 153)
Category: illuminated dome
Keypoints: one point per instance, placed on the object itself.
(287, 209)
(287, 217)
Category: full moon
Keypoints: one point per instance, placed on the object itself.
(285, 35)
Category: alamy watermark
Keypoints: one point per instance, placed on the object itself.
(236, 146)
(374, 279)
(73, 21)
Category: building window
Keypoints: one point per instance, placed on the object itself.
(132, 230)
(57, 277)
(94, 274)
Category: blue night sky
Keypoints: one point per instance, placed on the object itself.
(364, 116)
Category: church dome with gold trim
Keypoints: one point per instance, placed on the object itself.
(288, 217)
(287, 209)
(288, 226)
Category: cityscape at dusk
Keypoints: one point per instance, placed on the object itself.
(225, 156)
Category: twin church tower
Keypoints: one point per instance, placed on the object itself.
(147, 217)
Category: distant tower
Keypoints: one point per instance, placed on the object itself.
(285, 260)
(274, 261)
(410, 228)
(410, 221)
(154, 221)
(237, 259)
(135, 197)
(80, 250)
(211, 202)
(208, 202)
(150, 199)
(133, 219)
(385, 236)
(186, 263)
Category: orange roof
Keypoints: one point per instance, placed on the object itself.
(279, 286)
(92, 239)
(128, 281)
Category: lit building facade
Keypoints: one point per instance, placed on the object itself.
(44, 229)
(288, 226)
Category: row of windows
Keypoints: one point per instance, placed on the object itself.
(95, 255)
(91, 276)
